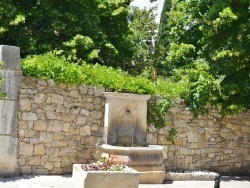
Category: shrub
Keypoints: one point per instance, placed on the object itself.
(51, 66)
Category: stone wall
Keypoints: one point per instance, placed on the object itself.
(209, 143)
(58, 125)
(46, 127)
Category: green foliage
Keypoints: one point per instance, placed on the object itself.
(166, 90)
(172, 134)
(207, 48)
(156, 112)
(201, 88)
(51, 66)
(96, 31)
(144, 28)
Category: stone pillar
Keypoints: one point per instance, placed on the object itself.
(12, 76)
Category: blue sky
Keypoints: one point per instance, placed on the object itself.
(146, 3)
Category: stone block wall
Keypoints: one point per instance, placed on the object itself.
(211, 142)
(58, 125)
(46, 127)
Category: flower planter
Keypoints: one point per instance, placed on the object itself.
(104, 179)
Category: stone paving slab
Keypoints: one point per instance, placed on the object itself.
(41, 181)
(37, 182)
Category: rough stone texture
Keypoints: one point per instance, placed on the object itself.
(148, 161)
(104, 179)
(190, 176)
(12, 76)
(8, 117)
(55, 128)
(11, 83)
(210, 142)
(10, 56)
(8, 158)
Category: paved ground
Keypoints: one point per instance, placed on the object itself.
(66, 182)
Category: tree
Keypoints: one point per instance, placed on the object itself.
(96, 31)
(162, 43)
(144, 27)
(209, 48)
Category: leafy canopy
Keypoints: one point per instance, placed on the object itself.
(208, 46)
(144, 28)
(96, 31)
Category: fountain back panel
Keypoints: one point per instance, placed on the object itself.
(125, 136)
(125, 119)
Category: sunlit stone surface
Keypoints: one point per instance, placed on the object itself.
(125, 136)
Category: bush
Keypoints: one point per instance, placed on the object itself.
(51, 66)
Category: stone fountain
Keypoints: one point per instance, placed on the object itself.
(125, 136)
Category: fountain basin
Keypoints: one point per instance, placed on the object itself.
(125, 125)
(148, 161)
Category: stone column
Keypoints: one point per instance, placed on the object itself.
(12, 76)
